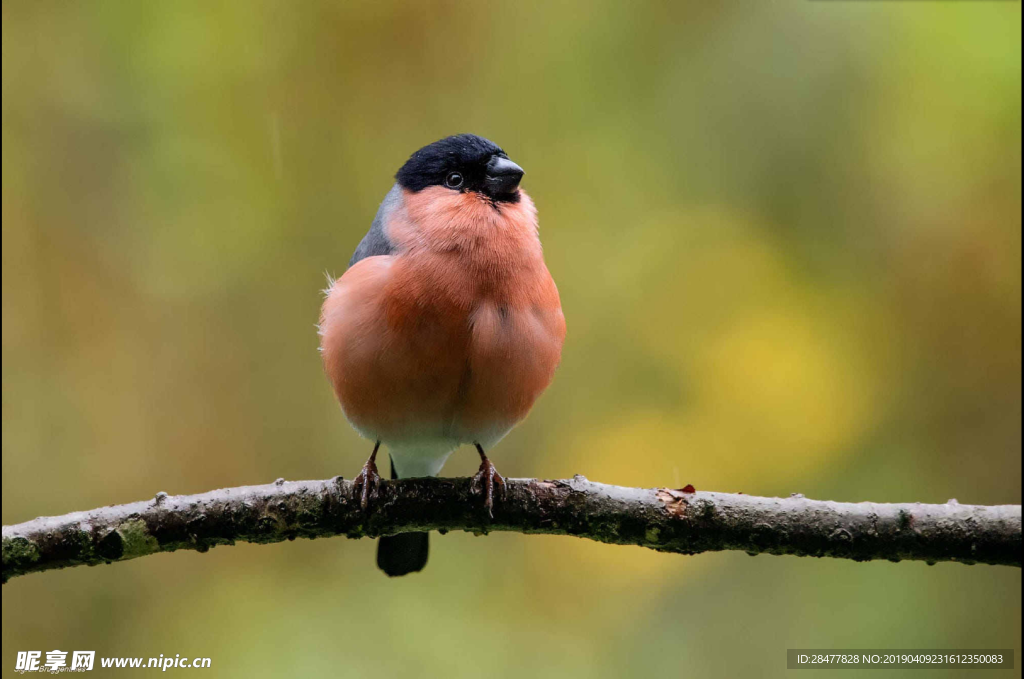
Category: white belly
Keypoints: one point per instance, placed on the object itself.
(420, 458)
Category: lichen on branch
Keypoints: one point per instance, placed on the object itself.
(682, 521)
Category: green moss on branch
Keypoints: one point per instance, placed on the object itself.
(662, 519)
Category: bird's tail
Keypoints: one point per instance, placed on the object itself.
(403, 553)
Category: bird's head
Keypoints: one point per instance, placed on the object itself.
(463, 163)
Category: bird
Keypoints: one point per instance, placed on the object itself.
(447, 325)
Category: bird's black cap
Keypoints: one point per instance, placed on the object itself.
(463, 162)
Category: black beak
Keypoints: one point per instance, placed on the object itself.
(502, 177)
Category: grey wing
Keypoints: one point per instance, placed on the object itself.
(376, 242)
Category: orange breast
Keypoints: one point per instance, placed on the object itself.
(452, 338)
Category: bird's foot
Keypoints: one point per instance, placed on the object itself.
(485, 480)
(367, 483)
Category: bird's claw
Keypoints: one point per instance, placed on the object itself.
(367, 483)
(488, 477)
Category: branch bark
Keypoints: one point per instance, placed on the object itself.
(662, 519)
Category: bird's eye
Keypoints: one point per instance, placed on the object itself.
(453, 180)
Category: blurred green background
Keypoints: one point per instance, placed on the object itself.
(787, 237)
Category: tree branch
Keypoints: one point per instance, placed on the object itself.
(661, 519)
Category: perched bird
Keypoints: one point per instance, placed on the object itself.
(447, 326)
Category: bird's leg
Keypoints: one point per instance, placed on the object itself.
(488, 476)
(367, 481)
